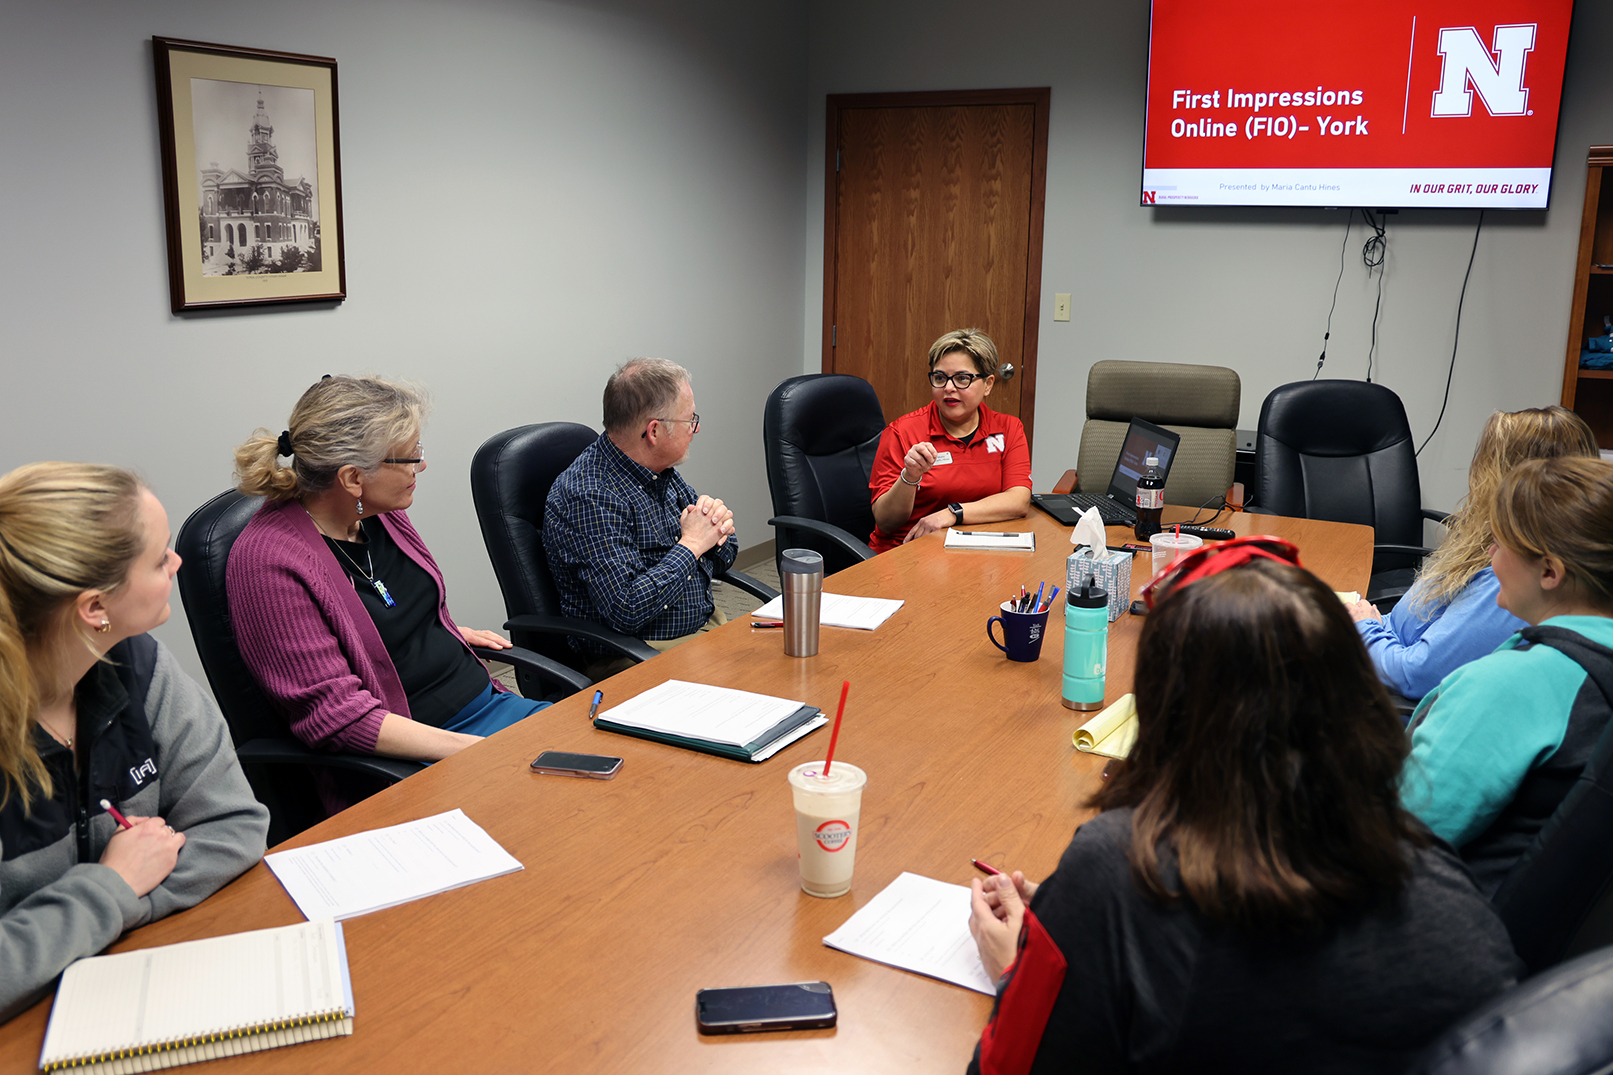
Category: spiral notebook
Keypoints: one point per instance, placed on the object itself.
(200, 1000)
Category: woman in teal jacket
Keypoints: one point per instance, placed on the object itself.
(1499, 742)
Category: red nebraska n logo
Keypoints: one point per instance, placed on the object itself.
(1497, 74)
(1148, 198)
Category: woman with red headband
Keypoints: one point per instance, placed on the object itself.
(1251, 896)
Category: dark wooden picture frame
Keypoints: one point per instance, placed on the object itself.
(251, 228)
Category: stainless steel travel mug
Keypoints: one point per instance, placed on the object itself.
(801, 573)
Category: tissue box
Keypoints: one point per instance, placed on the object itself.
(1111, 570)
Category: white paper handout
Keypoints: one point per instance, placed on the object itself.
(917, 924)
(370, 871)
(840, 610)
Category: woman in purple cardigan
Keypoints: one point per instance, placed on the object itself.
(339, 608)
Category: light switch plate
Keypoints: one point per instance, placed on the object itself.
(1061, 306)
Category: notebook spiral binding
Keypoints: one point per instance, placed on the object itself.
(311, 1028)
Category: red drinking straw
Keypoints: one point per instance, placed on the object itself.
(834, 736)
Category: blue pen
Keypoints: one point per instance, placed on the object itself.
(593, 709)
(1037, 607)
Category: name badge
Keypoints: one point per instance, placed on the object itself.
(942, 458)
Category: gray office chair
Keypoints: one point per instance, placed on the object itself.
(1198, 402)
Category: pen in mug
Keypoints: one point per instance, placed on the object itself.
(594, 708)
(116, 816)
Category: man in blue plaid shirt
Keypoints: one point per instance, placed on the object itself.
(630, 543)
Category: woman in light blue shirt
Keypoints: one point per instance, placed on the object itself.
(1450, 616)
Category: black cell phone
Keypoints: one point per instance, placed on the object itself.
(559, 763)
(797, 1006)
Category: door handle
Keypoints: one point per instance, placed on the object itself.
(1006, 371)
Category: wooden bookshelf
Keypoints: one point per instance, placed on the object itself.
(1590, 392)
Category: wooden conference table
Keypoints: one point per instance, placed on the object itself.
(681, 873)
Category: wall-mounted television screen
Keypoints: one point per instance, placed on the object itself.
(1387, 104)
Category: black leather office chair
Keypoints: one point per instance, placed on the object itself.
(819, 435)
(277, 765)
(1558, 899)
(1557, 1023)
(510, 476)
(1342, 451)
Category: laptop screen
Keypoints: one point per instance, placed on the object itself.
(1143, 439)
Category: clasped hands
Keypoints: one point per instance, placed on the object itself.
(706, 524)
(996, 912)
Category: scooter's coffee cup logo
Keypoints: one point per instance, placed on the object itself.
(833, 835)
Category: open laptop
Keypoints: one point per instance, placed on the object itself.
(1118, 505)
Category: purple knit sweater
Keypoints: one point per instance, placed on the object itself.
(305, 634)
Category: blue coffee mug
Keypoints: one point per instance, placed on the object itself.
(1022, 633)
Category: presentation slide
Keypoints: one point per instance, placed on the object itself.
(1372, 103)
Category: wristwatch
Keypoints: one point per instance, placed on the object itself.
(957, 512)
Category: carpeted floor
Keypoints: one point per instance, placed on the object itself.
(736, 602)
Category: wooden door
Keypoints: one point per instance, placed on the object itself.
(934, 223)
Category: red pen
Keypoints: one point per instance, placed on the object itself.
(986, 867)
(119, 818)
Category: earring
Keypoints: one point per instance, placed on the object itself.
(106, 625)
(361, 508)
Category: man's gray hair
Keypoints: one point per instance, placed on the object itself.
(641, 389)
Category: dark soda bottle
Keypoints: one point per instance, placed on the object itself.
(1150, 500)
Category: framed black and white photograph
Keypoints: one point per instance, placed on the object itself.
(251, 175)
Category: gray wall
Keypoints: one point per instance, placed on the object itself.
(1247, 289)
(536, 190)
(533, 192)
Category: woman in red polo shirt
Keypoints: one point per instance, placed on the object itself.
(956, 460)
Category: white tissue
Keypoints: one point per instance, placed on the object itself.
(1089, 531)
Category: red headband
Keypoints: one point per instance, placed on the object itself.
(1210, 560)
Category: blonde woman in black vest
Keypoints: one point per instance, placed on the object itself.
(93, 708)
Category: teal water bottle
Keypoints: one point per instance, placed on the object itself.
(1086, 646)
